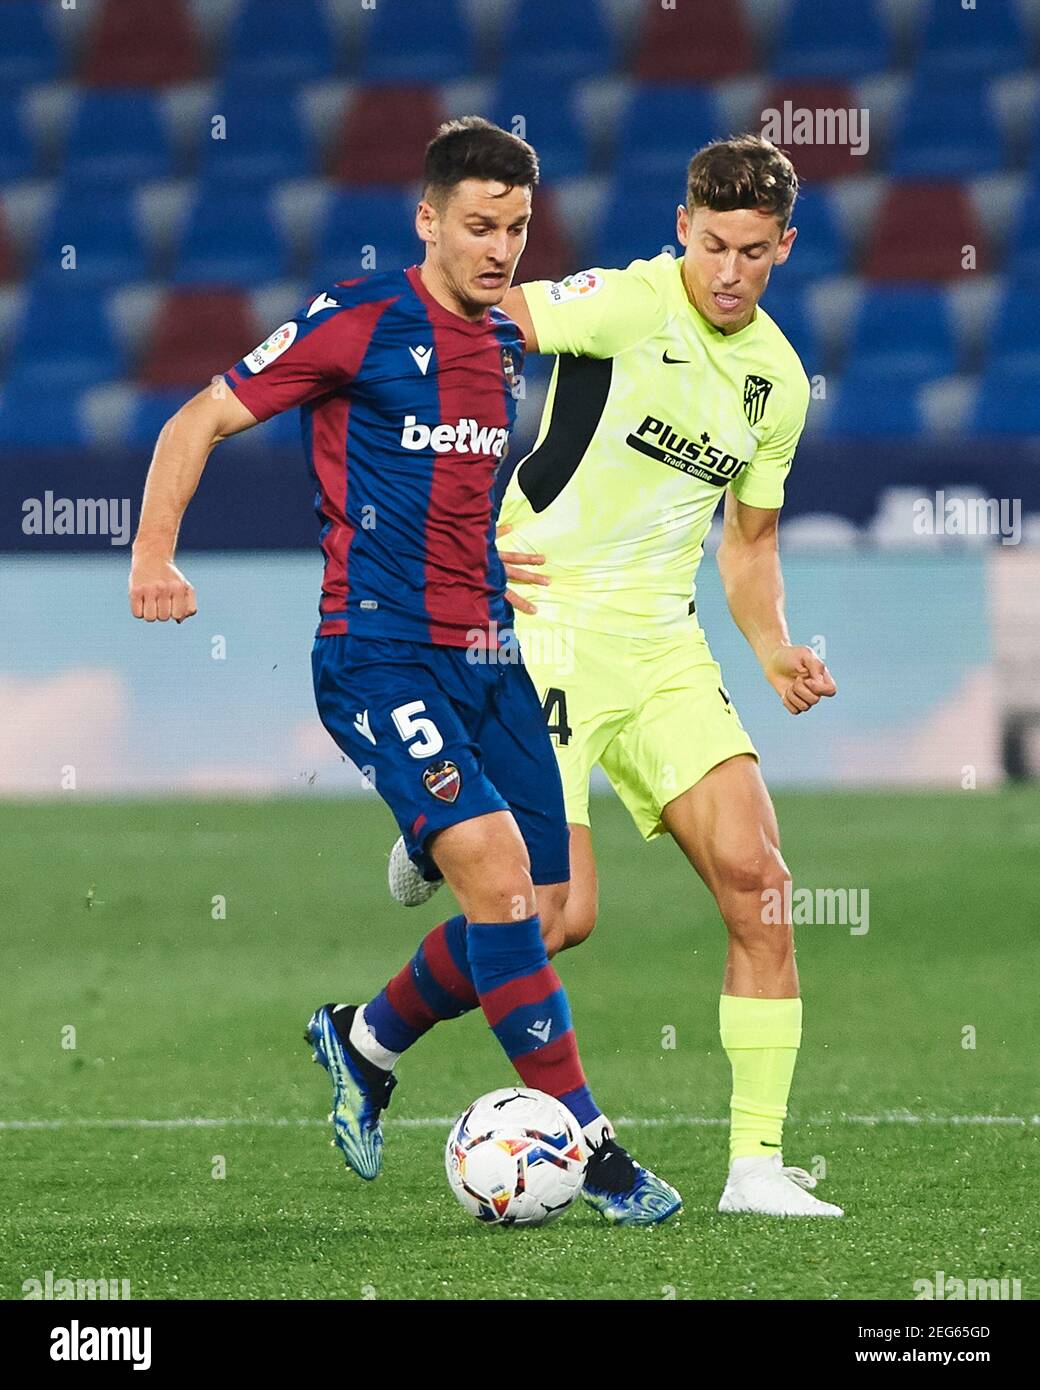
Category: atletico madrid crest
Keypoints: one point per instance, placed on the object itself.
(756, 393)
(443, 780)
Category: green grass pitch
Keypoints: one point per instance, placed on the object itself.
(108, 928)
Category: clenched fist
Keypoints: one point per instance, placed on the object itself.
(799, 677)
(158, 591)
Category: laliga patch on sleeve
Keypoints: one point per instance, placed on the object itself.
(271, 347)
(578, 286)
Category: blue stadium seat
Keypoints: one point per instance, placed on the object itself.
(264, 140)
(638, 220)
(231, 238)
(904, 335)
(662, 128)
(1014, 341)
(118, 137)
(1008, 401)
(551, 124)
(363, 222)
(547, 41)
(109, 249)
(832, 38)
(40, 417)
(1024, 242)
(64, 341)
(436, 40)
(872, 405)
(946, 132)
(28, 49)
(271, 41)
(17, 156)
(819, 248)
(788, 309)
(981, 42)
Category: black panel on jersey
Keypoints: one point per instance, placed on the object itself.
(582, 384)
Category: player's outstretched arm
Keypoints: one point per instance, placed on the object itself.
(158, 590)
(749, 564)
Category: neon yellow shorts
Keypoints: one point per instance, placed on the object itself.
(653, 712)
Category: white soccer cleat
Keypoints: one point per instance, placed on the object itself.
(764, 1186)
(407, 885)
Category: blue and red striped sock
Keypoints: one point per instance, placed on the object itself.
(526, 1005)
(434, 985)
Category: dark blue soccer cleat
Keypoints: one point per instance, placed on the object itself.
(625, 1193)
(360, 1090)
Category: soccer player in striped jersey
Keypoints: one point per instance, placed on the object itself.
(404, 384)
(673, 389)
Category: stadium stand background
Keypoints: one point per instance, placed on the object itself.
(189, 248)
(140, 256)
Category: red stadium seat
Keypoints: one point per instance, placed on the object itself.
(695, 43)
(8, 266)
(141, 43)
(549, 254)
(197, 335)
(825, 159)
(384, 133)
(920, 232)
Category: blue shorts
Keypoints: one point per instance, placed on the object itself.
(444, 738)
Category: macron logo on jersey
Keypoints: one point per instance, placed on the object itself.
(464, 438)
(421, 357)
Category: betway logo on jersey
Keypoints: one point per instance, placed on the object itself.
(467, 437)
(699, 457)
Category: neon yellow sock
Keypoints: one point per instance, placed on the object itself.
(761, 1038)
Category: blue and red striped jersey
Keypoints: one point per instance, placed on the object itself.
(406, 410)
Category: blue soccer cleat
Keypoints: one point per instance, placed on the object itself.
(360, 1090)
(625, 1193)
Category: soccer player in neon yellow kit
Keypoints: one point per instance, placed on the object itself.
(673, 389)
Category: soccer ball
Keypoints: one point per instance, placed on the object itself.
(516, 1158)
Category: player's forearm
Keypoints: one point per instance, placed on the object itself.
(181, 451)
(754, 587)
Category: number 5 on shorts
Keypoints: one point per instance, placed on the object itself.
(411, 723)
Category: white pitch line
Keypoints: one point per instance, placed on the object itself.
(892, 1117)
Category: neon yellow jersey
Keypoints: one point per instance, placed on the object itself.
(651, 414)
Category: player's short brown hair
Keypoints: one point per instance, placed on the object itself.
(472, 148)
(746, 171)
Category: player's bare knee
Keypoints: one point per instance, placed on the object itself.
(493, 892)
(757, 875)
(508, 895)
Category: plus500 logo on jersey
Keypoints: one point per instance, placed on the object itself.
(464, 438)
